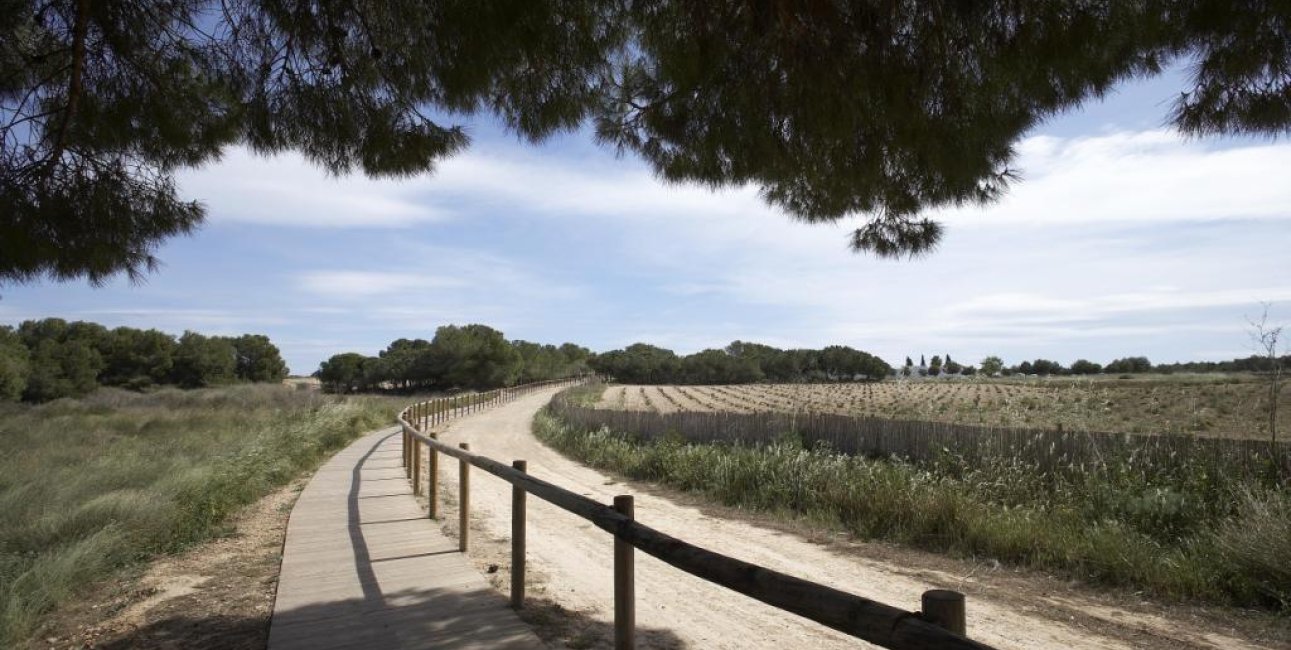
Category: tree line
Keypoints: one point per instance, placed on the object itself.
(738, 363)
(470, 356)
(993, 366)
(47, 359)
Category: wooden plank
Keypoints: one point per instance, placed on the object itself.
(363, 567)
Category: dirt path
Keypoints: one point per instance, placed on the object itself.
(576, 561)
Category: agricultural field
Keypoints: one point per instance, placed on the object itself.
(1217, 406)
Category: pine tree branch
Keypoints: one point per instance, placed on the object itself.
(75, 86)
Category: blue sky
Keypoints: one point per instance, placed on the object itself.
(1122, 239)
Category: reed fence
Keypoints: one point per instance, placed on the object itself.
(923, 441)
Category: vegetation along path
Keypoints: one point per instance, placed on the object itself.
(575, 561)
(364, 568)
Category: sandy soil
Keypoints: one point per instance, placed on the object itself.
(574, 563)
(218, 594)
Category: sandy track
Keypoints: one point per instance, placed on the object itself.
(576, 558)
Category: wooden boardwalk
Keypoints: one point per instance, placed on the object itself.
(363, 567)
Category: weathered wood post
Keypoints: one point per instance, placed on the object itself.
(625, 611)
(407, 467)
(945, 609)
(432, 479)
(416, 466)
(517, 539)
(464, 501)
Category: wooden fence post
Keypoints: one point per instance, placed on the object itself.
(625, 615)
(464, 501)
(945, 609)
(416, 466)
(517, 539)
(432, 480)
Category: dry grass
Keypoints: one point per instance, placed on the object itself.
(89, 487)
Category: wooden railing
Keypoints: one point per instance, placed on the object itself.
(940, 624)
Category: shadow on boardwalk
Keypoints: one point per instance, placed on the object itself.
(363, 567)
(218, 632)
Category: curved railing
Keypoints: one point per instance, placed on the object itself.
(941, 624)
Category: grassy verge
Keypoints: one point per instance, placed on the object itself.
(89, 487)
(1163, 530)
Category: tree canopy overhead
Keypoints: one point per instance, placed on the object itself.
(880, 109)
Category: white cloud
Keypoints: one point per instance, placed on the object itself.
(1118, 177)
(356, 284)
(1040, 307)
(287, 190)
(1131, 177)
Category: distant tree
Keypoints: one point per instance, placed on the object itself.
(541, 362)
(96, 336)
(934, 368)
(67, 368)
(65, 358)
(718, 367)
(969, 371)
(258, 359)
(406, 363)
(1047, 367)
(639, 363)
(202, 361)
(1085, 367)
(908, 362)
(32, 332)
(343, 373)
(475, 356)
(922, 363)
(14, 365)
(1129, 365)
(992, 366)
(576, 357)
(1025, 368)
(847, 363)
(138, 358)
(953, 367)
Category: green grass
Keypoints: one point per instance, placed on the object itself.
(89, 487)
(1166, 530)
